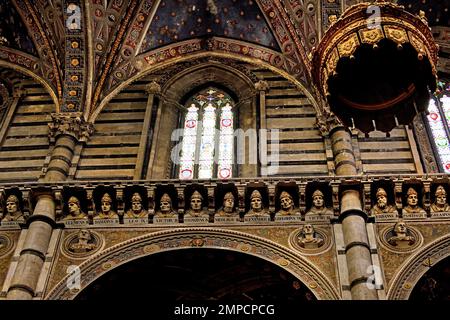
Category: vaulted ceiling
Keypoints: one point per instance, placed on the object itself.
(85, 51)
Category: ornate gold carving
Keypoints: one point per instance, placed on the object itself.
(371, 36)
(348, 46)
(396, 34)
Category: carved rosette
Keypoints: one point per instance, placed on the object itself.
(72, 124)
(352, 42)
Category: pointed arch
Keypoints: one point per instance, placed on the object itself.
(415, 267)
(164, 241)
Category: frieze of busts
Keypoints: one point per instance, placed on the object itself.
(440, 202)
(308, 238)
(196, 206)
(227, 209)
(75, 212)
(256, 205)
(13, 212)
(382, 206)
(165, 207)
(137, 209)
(401, 238)
(318, 207)
(412, 201)
(107, 211)
(84, 242)
(287, 207)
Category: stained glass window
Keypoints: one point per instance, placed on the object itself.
(439, 123)
(208, 140)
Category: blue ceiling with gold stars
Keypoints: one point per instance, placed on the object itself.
(436, 11)
(12, 29)
(177, 20)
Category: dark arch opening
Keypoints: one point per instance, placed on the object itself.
(198, 274)
(434, 284)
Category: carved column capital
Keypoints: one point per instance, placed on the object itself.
(72, 124)
(262, 85)
(326, 122)
(153, 88)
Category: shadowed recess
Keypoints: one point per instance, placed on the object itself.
(199, 274)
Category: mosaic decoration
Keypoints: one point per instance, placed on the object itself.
(436, 12)
(439, 123)
(200, 139)
(13, 31)
(186, 19)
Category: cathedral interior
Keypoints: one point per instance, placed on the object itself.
(244, 150)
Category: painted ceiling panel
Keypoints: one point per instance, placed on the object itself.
(177, 20)
(436, 11)
(13, 29)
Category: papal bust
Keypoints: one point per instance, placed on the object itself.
(13, 212)
(196, 206)
(75, 212)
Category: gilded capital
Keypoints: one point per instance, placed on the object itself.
(72, 124)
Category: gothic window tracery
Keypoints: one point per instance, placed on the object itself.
(439, 123)
(208, 140)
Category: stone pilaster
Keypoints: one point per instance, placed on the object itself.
(65, 131)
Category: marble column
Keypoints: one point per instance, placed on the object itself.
(352, 216)
(65, 131)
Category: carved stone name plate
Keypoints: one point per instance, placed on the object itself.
(386, 216)
(411, 216)
(165, 220)
(440, 215)
(297, 218)
(106, 222)
(257, 219)
(235, 219)
(135, 220)
(317, 218)
(76, 223)
(194, 220)
(11, 224)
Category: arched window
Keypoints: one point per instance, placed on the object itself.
(439, 123)
(207, 147)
